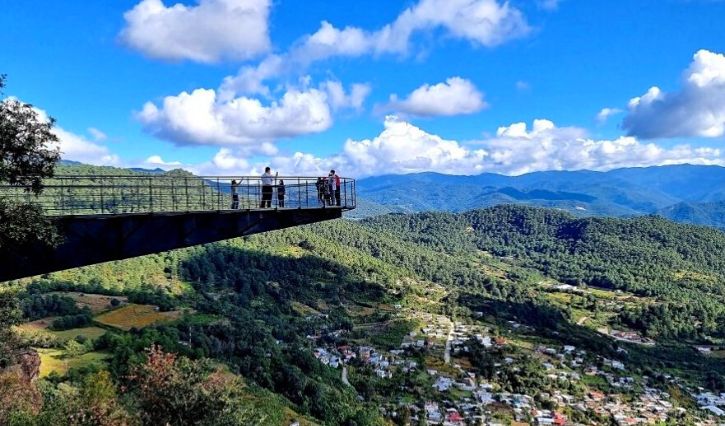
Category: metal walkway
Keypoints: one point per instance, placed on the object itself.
(68, 195)
(104, 218)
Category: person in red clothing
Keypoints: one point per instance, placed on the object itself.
(335, 186)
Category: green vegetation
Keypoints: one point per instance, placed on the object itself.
(682, 266)
(236, 324)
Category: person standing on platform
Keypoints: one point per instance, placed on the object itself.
(320, 185)
(335, 186)
(331, 188)
(280, 194)
(235, 195)
(267, 188)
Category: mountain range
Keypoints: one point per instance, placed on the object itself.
(684, 193)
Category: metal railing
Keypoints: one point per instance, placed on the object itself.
(65, 195)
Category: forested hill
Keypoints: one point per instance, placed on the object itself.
(682, 265)
(251, 319)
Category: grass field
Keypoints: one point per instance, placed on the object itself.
(97, 303)
(41, 326)
(137, 316)
(54, 360)
(91, 333)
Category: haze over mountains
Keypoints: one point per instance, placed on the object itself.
(684, 193)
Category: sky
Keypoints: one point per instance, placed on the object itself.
(227, 87)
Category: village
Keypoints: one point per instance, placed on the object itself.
(435, 356)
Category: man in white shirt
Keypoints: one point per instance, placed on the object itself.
(267, 188)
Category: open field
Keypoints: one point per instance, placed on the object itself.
(91, 333)
(137, 316)
(97, 303)
(53, 360)
(37, 325)
(41, 326)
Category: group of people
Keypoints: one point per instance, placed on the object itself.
(328, 190)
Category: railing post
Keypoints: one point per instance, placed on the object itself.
(186, 192)
(151, 198)
(102, 201)
(62, 198)
(218, 195)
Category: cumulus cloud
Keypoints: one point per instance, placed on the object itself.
(455, 96)
(77, 148)
(697, 109)
(200, 117)
(157, 161)
(210, 31)
(480, 22)
(340, 99)
(515, 149)
(250, 79)
(605, 113)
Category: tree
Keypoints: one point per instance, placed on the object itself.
(9, 316)
(28, 147)
(28, 153)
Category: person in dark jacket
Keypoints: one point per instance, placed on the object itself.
(320, 185)
(280, 193)
(235, 195)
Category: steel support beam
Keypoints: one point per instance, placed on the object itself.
(101, 238)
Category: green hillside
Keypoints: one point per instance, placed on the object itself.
(251, 320)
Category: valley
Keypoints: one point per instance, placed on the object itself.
(494, 316)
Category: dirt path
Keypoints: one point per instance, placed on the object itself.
(344, 376)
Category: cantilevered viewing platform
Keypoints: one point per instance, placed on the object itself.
(106, 217)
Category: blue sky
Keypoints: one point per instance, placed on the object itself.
(373, 87)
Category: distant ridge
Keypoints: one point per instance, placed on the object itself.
(620, 192)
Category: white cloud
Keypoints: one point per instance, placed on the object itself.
(157, 161)
(516, 149)
(605, 113)
(97, 135)
(250, 79)
(210, 31)
(456, 96)
(340, 99)
(697, 109)
(481, 22)
(200, 117)
(77, 148)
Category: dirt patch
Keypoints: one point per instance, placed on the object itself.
(136, 316)
(97, 303)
